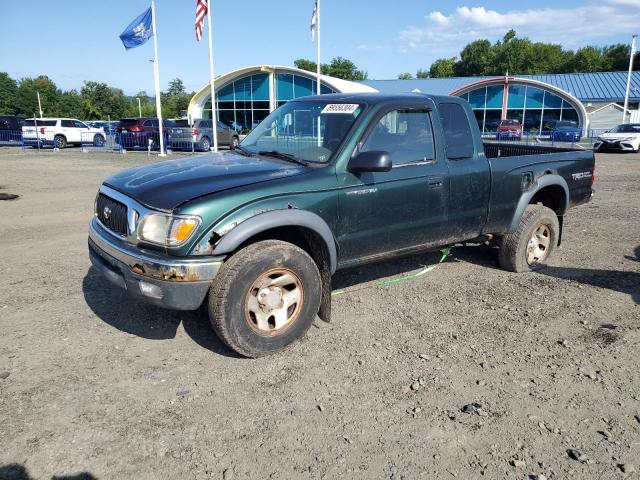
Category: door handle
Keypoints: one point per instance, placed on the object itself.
(435, 182)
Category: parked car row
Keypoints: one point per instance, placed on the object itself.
(130, 133)
(557, 130)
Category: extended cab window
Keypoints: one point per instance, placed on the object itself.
(457, 133)
(405, 134)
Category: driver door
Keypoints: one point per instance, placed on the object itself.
(385, 212)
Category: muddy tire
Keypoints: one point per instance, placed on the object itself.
(529, 246)
(264, 298)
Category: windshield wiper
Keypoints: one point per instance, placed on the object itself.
(243, 151)
(284, 156)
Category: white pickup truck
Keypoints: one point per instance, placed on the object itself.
(60, 132)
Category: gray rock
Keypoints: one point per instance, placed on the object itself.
(415, 386)
(228, 474)
(4, 375)
(472, 408)
(516, 462)
(626, 467)
(577, 455)
(320, 407)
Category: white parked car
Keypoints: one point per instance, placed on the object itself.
(623, 138)
(60, 132)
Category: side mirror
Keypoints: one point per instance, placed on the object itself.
(373, 161)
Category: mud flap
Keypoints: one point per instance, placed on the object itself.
(325, 302)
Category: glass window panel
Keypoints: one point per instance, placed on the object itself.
(284, 86)
(225, 94)
(534, 97)
(569, 114)
(516, 96)
(479, 114)
(476, 98)
(552, 101)
(494, 96)
(260, 87)
(405, 134)
(243, 89)
(260, 105)
(532, 119)
(227, 117)
(224, 105)
(324, 89)
(492, 120)
(550, 116)
(302, 86)
(515, 114)
(457, 134)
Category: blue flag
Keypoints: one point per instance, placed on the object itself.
(138, 31)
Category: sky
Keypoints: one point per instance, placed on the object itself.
(75, 40)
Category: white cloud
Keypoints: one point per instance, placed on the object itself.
(571, 27)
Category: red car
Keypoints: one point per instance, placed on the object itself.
(508, 129)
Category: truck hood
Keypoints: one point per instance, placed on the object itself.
(166, 185)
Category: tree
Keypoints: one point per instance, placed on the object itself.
(405, 76)
(587, 59)
(422, 73)
(26, 99)
(443, 67)
(339, 68)
(99, 101)
(8, 91)
(176, 87)
(70, 105)
(477, 58)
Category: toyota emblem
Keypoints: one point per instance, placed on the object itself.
(106, 212)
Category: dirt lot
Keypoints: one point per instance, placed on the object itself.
(92, 382)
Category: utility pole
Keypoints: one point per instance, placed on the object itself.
(139, 107)
(40, 105)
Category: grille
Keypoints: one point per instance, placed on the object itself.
(112, 214)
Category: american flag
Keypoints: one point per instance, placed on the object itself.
(201, 12)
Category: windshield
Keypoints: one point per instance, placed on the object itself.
(627, 128)
(308, 130)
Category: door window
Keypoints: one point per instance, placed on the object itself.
(67, 124)
(79, 124)
(405, 134)
(457, 133)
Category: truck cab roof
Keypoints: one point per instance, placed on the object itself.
(375, 98)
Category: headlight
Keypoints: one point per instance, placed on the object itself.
(167, 230)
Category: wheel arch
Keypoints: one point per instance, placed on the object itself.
(300, 227)
(551, 190)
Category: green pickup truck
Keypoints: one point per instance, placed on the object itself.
(325, 183)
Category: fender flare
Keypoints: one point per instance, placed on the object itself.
(542, 182)
(278, 218)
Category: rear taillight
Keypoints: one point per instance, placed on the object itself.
(136, 128)
(42, 130)
(593, 177)
(196, 132)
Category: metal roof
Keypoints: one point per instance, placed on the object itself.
(587, 87)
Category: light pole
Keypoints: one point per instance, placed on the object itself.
(626, 95)
(139, 107)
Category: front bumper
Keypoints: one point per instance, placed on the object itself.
(614, 145)
(169, 282)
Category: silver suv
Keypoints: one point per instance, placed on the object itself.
(199, 136)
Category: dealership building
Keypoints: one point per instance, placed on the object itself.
(594, 101)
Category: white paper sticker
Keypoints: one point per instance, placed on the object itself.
(340, 108)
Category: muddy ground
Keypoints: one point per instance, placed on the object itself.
(93, 385)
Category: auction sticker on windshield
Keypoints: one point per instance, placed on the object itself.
(340, 108)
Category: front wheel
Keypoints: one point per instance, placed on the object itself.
(235, 141)
(529, 246)
(265, 297)
(59, 141)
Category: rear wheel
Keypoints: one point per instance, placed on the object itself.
(265, 297)
(205, 144)
(59, 141)
(534, 240)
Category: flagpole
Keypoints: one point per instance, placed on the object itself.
(318, 62)
(214, 116)
(626, 95)
(156, 74)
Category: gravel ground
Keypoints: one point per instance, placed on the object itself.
(468, 371)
